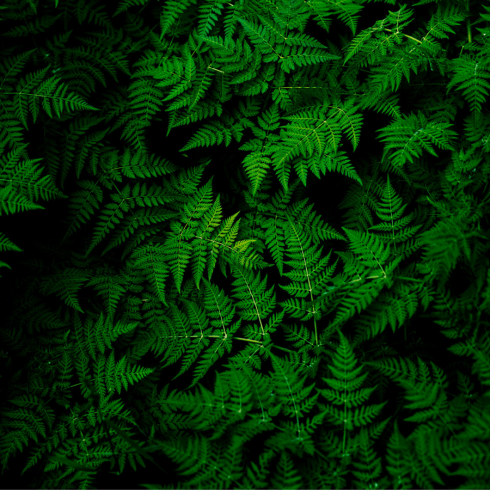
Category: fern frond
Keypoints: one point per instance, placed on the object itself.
(172, 11)
(222, 463)
(347, 393)
(470, 76)
(34, 89)
(367, 464)
(208, 15)
(212, 133)
(408, 136)
(286, 475)
(65, 284)
(256, 303)
(124, 5)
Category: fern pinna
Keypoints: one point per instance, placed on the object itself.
(267, 265)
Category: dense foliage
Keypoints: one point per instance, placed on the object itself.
(263, 259)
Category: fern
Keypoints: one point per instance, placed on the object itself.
(150, 321)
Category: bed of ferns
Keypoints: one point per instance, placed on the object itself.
(245, 244)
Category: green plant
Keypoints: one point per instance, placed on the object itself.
(156, 319)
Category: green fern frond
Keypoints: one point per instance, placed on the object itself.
(6, 244)
(34, 89)
(122, 375)
(390, 210)
(111, 287)
(172, 11)
(40, 25)
(410, 135)
(82, 204)
(65, 284)
(10, 126)
(345, 391)
(208, 15)
(367, 464)
(309, 274)
(392, 307)
(295, 397)
(255, 302)
(145, 99)
(112, 215)
(221, 465)
(286, 475)
(124, 5)
(23, 184)
(470, 76)
(211, 134)
(170, 72)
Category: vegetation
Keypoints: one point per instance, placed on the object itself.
(263, 259)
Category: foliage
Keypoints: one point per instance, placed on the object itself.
(158, 322)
